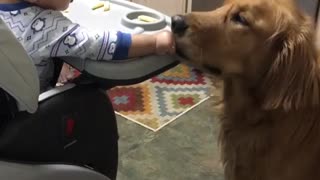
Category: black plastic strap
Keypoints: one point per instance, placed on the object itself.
(8, 107)
(58, 63)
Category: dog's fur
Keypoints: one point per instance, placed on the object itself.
(265, 52)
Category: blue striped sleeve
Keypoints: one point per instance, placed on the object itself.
(124, 42)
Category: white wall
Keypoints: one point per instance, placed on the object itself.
(168, 7)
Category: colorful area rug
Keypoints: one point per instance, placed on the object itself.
(158, 101)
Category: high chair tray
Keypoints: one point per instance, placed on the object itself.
(127, 17)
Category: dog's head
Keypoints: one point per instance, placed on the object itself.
(267, 42)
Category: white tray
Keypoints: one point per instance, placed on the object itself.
(80, 11)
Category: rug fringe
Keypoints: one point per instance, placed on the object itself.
(131, 119)
(181, 114)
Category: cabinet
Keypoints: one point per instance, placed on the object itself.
(205, 5)
(309, 6)
(172, 7)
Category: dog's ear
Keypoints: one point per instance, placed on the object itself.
(292, 82)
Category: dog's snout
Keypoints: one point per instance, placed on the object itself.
(178, 24)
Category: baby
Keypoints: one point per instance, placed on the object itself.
(46, 34)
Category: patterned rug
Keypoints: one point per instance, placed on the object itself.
(158, 101)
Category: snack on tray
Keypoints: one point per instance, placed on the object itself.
(146, 18)
(98, 5)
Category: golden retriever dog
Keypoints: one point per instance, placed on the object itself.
(264, 50)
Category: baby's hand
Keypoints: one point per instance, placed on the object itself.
(144, 44)
(165, 43)
(66, 74)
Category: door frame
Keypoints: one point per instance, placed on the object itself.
(188, 6)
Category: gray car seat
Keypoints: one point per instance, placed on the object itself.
(19, 171)
(18, 77)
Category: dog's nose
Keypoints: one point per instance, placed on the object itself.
(178, 24)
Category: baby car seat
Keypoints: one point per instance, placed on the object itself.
(21, 104)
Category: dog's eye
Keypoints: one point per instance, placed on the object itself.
(238, 18)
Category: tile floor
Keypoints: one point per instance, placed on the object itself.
(186, 149)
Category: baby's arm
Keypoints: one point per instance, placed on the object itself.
(160, 43)
(53, 35)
